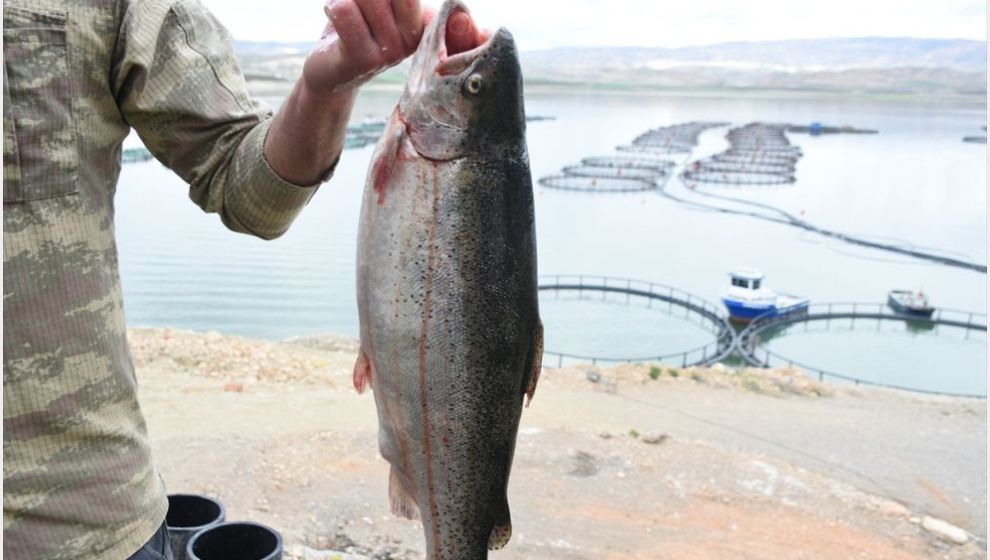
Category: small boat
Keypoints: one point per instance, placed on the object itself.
(910, 303)
(747, 298)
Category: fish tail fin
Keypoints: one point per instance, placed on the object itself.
(400, 500)
(362, 372)
(502, 529)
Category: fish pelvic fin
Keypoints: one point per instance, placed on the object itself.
(502, 529)
(400, 500)
(535, 363)
(362, 372)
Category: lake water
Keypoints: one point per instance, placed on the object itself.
(915, 182)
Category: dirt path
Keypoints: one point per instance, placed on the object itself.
(742, 466)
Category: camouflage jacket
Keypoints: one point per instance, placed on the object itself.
(78, 481)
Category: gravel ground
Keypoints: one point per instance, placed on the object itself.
(645, 462)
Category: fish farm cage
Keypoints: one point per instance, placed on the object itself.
(597, 184)
(641, 167)
(758, 154)
(679, 138)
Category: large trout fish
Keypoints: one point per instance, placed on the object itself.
(451, 339)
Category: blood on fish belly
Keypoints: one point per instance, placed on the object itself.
(451, 338)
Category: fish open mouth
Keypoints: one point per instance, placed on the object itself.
(453, 58)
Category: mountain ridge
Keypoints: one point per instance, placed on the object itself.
(859, 64)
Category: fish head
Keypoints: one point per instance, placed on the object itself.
(465, 103)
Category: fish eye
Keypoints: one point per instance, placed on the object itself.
(474, 83)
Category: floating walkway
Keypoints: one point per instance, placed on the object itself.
(709, 316)
(747, 342)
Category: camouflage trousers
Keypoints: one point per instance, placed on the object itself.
(157, 547)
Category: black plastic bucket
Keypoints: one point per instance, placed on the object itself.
(235, 541)
(187, 515)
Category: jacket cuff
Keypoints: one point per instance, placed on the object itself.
(264, 203)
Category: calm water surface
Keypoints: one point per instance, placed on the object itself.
(915, 182)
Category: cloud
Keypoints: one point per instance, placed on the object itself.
(663, 23)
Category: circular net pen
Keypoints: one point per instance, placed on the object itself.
(737, 177)
(654, 150)
(757, 147)
(676, 139)
(712, 318)
(746, 167)
(617, 172)
(629, 162)
(741, 156)
(613, 184)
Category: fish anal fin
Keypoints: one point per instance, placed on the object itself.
(502, 529)
(362, 372)
(400, 500)
(536, 363)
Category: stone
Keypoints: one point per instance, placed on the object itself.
(892, 508)
(233, 387)
(654, 438)
(945, 530)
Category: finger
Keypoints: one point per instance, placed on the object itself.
(355, 36)
(409, 18)
(461, 34)
(428, 15)
(379, 17)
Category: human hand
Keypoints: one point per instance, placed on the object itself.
(365, 37)
(362, 38)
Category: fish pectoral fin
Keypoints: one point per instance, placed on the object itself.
(362, 372)
(384, 163)
(535, 363)
(502, 530)
(400, 499)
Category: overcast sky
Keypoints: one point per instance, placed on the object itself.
(539, 24)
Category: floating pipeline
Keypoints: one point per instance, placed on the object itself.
(815, 129)
(791, 220)
(767, 160)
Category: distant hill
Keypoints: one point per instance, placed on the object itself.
(868, 64)
(792, 55)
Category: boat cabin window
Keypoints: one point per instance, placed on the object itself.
(740, 282)
(756, 284)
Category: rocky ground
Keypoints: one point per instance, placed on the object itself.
(643, 461)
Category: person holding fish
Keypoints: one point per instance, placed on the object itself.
(79, 482)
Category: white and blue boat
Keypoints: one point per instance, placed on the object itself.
(747, 297)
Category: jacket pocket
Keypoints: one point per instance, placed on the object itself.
(40, 155)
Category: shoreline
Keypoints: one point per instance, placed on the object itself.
(706, 463)
(281, 89)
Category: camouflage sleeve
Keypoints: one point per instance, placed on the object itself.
(177, 82)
